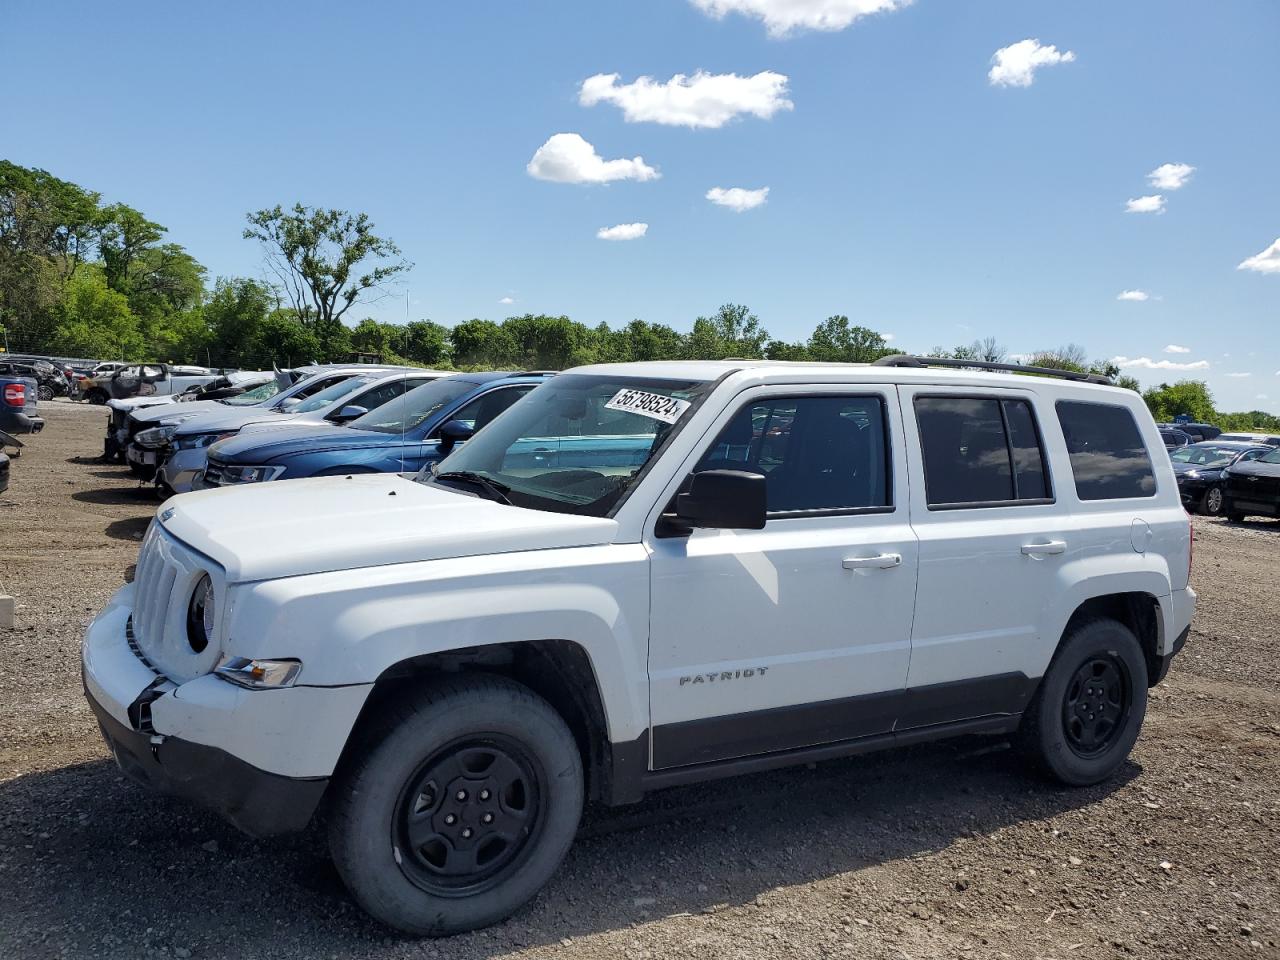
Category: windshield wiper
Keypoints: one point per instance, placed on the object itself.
(496, 491)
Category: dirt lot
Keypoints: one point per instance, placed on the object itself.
(943, 851)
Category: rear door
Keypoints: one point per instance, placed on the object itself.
(993, 542)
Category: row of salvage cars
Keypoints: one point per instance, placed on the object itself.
(320, 420)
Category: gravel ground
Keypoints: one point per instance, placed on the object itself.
(939, 851)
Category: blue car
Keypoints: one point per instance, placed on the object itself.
(401, 436)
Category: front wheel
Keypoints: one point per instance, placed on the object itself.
(44, 392)
(1212, 502)
(458, 805)
(1089, 709)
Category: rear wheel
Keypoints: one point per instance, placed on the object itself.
(96, 397)
(458, 805)
(1212, 502)
(44, 392)
(1089, 709)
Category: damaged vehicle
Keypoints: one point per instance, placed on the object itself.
(644, 575)
(146, 380)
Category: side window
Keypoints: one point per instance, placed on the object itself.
(980, 451)
(1108, 458)
(817, 453)
(481, 411)
(373, 399)
(316, 387)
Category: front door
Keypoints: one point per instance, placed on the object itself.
(797, 634)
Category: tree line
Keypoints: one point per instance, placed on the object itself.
(85, 278)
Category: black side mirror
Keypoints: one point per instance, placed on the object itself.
(350, 412)
(453, 433)
(724, 499)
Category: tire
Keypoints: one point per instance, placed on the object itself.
(44, 392)
(96, 397)
(1233, 517)
(1098, 655)
(429, 749)
(1213, 502)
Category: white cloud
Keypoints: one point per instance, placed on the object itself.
(1137, 295)
(623, 231)
(507, 301)
(1151, 204)
(567, 158)
(1268, 261)
(1146, 363)
(889, 337)
(1239, 376)
(703, 100)
(1016, 64)
(1171, 176)
(737, 199)
(781, 17)
(1174, 348)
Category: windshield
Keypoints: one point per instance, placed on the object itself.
(575, 444)
(256, 395)
(318, 401)
(1204, 456)
(1272, 457)
(409, 410)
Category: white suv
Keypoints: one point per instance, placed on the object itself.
(643, 575)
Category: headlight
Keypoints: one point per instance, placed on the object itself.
(156, 436)
(1192, 474)
(198, 440)
(259, 674)
(237, 474)
(200, 611)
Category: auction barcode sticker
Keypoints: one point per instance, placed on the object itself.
(654, 405)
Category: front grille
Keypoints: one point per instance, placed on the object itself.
(132, 640)
(1253, 487)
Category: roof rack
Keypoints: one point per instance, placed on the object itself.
(905, 360)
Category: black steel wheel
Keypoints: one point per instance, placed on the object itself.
(1089, 707)
(465, 819)
(460, 799)
(1095, 705)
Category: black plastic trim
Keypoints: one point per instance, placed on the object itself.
(259, 803)
(1165, 662)
(807, 725)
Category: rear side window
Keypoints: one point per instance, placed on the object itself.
(980, 451)
(1108, 458)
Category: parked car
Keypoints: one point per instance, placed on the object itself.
(1253, 487)
(19, 397)
(401, 436)
(1174, 438)
(1199, 468)
(49, 380)
(146, 379)
(455, 665)
(289, 387)
(1270, 439)
(180, 450)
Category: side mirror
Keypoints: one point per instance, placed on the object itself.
(724, 499)
(453, 433)
(348, 413)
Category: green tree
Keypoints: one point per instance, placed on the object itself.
(96, 321)
(326, 261)
(1186, 396)
(282, 340)
(123, 235)
(234, 317)
(835, 340)
(424, 342)
(481, 343)
(732, 331)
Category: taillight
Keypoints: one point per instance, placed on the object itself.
(15, 394)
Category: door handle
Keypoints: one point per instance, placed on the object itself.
(881, 561)
(1050, 548)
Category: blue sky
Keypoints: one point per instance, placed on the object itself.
(906, 189)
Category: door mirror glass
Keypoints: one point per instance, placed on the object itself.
(725, 500)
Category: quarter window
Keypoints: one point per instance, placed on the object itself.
(817, 453)
(980, 451)
(1108, 458)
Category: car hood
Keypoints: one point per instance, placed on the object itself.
(137, 403)
(265, 445)
(165, 411)
(319, 525)
(1200, 468)
(224, 419)
(1256, 468)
